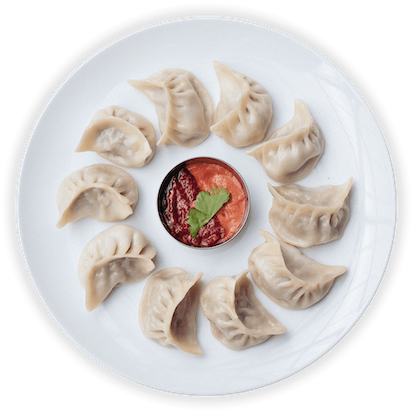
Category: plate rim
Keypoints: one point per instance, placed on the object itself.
(150, 25)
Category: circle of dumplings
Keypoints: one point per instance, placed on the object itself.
(300, 216)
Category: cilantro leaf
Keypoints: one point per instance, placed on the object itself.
(196, 220)
(207, 204)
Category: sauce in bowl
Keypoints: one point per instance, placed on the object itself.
(178, 194)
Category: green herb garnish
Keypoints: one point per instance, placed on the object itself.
(207, 204)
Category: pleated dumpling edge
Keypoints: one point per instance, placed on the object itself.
(244, 112)
(288, 277)
(303, 216)
(183, 105)
(292, 151)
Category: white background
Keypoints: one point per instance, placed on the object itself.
(283, 107)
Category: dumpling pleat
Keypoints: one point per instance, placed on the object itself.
(244, 111)
(287, 276)
(118, 256)
(167, 312)
(120, 136)
(237, 318)
(304, 216)
(102, 192)
(291, 152)
(183, 106)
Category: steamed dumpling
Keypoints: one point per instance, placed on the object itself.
(245, 110)
(167, 312)
(120, 136)
(237, 318)
(183, 106)
(304, 216)
(117, 256)
(288, 277)
(291, 152)
(102, 192)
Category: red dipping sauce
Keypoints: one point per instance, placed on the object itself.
(178, 195)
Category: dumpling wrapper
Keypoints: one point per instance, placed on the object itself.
(102, 192)
(237, 318)
(287, 276)
(244, 111)
(292, 151)
(121, 136)
(183, 106)
(167, 312)
(304, 217)
(118, 256)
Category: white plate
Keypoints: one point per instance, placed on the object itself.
(288, 69)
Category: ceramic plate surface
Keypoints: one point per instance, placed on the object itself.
(288, 69)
